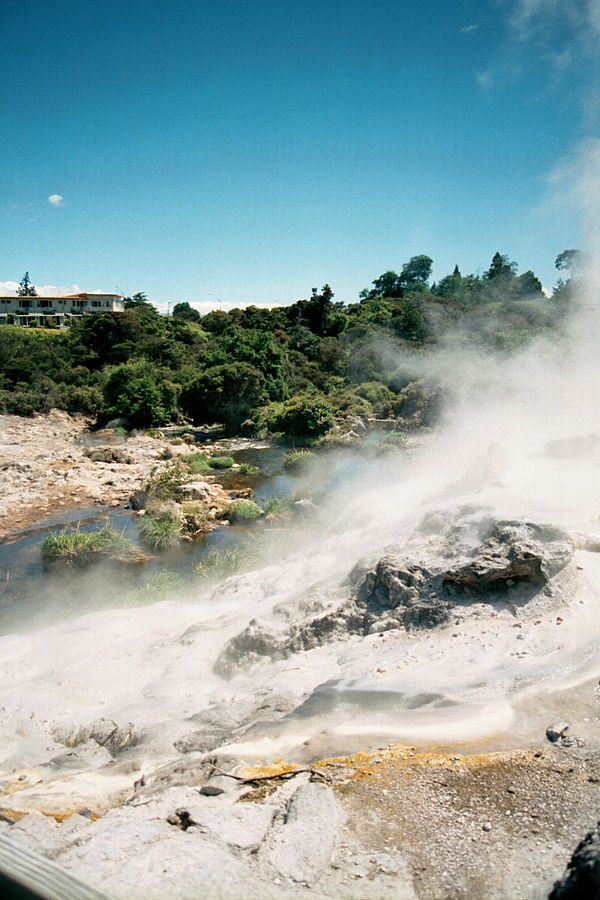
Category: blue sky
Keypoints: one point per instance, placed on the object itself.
(249, 151)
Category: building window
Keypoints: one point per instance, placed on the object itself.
(24, 304)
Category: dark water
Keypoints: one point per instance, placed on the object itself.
(31, 596)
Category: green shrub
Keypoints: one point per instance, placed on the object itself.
(220, 462)
(224, 393)
(81, 548)
(278, 507)
(223, 563)
(302, 416)
(378, 395)
(160, 528)
(135, 392)
(393, 440)
(195, 517)
(161, 586)
(197, 463)
(297, 458)
(243, 511)
(85, 399)
(166, 485)
(348, 403)
(247, 469)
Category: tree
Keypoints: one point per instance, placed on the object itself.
(225, 393)
(185, 312)
(26, 288)
(449, 285)
(416, 271)
(136, 301)
(414, 274)
(530, 285)
(387, 285)
(304, 417)
(569, 260)
(137, 393)
(501, 268)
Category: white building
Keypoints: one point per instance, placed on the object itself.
(57, 311)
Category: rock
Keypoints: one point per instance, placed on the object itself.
(241, 825)
(253, 642)
(554, 733)
(581, 880)
(306, 505)
(303, 846)
(589, 541)
(108, 455)
(494, 558)
(196, 490)
(410, 590)
(105, 732)
(138, 500)
(34, 830)
(579, 447)
(514, 551)
(211, 790)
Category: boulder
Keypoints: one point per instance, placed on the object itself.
(196, 490)
(581, 880)
(555, 733)
(105, 732)
(514, 552)
(506, 560)
(108, 455)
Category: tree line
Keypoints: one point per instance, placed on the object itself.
(289, 370)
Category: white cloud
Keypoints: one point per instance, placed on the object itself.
(206, 306)
(55, 200)
(469, 29)
(485, 80)
(9, 289)
(575, 18)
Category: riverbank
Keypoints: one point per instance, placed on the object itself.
(47, 466)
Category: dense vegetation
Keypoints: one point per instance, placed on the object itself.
(290, 369)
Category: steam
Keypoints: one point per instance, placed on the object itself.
(495, 452)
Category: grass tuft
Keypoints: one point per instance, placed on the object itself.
(295, 459)
(243, 511)
(247, 469)
(220, 462)
(197, 463)
(228, 561)
(160, 528)
(161, 586)
(82, 548)
(278, 507)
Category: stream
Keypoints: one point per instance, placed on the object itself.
(31, 596)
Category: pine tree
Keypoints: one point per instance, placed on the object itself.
(26, 288)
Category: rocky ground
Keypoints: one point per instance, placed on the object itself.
(47, 465)
(53, 463)
(399, 823)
